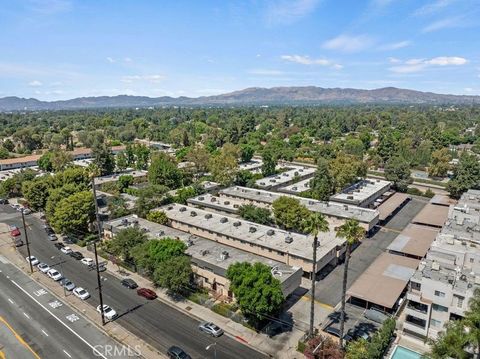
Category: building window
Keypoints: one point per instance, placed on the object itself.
(415, 285)
(460, 300)
(439, 294)
(435, 323)
(471, 260)
(439, 308)
(415, 321)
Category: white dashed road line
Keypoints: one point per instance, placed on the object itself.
(67, 353)
(25, 314)
(11, 301)
(44, 332)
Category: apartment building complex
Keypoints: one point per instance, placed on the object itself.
(363, 193)
(446, 279)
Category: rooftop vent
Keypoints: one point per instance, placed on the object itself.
(226, 203)
(435, 266)
(183, 209)
(204, 252)
(252, 229)
(237, 224)
(160, 234)
(170, 208)
(208, 216)
(213, 199)
(235, 206)
(288, 239)
(270, 232)
(189, 242)
(345, 207)
(224, 255)
(296, 173)
(193, 214)
(223, 220)
(201, 198)
(349, 197)
(124, 222)
(294, 188)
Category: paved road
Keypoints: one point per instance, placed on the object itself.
(329, 289)
(157, 323)
(43, 325)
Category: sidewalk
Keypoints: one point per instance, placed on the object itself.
(283, 346)
(112, 329)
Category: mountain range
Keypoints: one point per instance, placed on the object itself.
(308, 95)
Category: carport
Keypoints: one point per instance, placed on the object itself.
(393, 204)
(384, 281)
(414, 241)
(432, 215)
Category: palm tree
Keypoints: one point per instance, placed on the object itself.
(354, 234)
(314, 224)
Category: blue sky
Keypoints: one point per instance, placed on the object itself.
(59, 49)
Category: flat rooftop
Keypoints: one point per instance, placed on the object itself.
(284, 177)
(384, 280)
(200, 249)
(219, 203)
(414, 240)
(391, 204)
(432, 215)
(442, 200)
(251, 165)
(333, 209)
(297, 187)
(362, 191)
(264, 236)
(116, 176)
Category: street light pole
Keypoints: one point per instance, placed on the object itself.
(26, 241)
(99, 229)
(214, 345)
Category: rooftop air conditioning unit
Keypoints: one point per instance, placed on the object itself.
(349, 197)
(345, 207)
(208, 216)
(224, 255)
(170, 208)
(237, 224)
(294, 188)
(213, 199)
(270, 232)
(435, 266)
(193, 214)
(183, 209)
(223, 220)
(160, 233)
(288, 239)
(189, 242)
(204, 252)
(201, 198)
(226, 203)
(252, 229)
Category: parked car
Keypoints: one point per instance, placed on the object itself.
(68, 284)
(76, 255)
(43, 267)
(15, 232)
(129, 283)
(177, 353)
(3, 201)
(87, 261)
(81, 293)
(333, 331)
(66, 250)
(108, 312)
(210, 328)
(26, 211)
(17, 241)
(146, 293)
(54, 274)
(33, 260)
(52, 237)
(59, 245)
(69, 240)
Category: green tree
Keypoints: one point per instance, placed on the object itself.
(125, 181)
(148, 255)
(223, 168)
(45, 162)
(174, 274)
(36, 192)
(466, 175)
(123, 243)
(269, 164)
(60, 160)
(121, 161)
(4, 153)
(199, 156)
(103, 158)
(354, 147)
(289, 213)
(440, 164)
(346, 170)
(451, 342)
(158, 217)
(397, 170)
(314, 224)
(255, 214)
(246, 153)
(8, 145)
(74, 213)
(322, 185)
(353, 234)
(183, 194)
(259, 295)
(163, 171)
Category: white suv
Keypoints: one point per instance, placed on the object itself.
(108, 312)
(54, 274)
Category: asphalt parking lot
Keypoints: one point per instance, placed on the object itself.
(328, 290)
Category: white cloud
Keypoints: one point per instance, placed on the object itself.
(35, 83)
(347, 43)
(289, 11)
(395, 45)
(432, 7)
(394, 60)
(149, 78)
(306, 60)
(444, 24)
(110, 59)
(416, 65)
(265, 72)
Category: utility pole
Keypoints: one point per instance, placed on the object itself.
(99, 229)
(26, 241)
(313, 278)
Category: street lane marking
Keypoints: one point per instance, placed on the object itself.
(95, 351)
(25, 314)
(11, 301)
(44, 332)
(67, 353)
(19, 338)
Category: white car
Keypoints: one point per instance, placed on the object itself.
(54, 274)
(87, 261)
(26, 211)
(43, 267)
(66, 250)
(32, 260)
(108, 312)
(81, 293)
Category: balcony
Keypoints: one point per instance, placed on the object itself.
(415, 321)
(417, 307)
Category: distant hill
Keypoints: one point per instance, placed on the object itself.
(308, 95)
